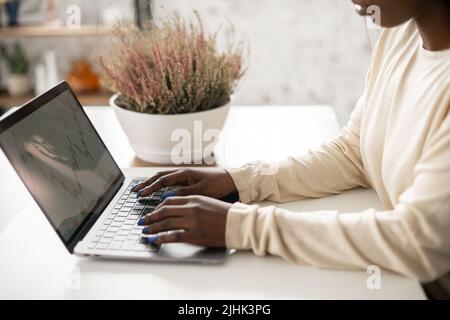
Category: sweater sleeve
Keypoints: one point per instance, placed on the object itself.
(411, 239)
(333, 168)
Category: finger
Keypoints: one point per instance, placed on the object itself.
(192, 190)
(150, 180)
(173, 201)
(183, 191)
(173, 179)
(173, 237)
(169, 224)
(162, 214)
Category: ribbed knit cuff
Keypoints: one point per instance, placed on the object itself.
(234, 232)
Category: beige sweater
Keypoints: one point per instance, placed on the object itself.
(397, 142)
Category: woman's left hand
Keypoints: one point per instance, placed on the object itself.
(196, 220)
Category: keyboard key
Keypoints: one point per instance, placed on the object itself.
(148, 210)
(123, 232)
(113, 228)
(141, 247)
(109, 235)
(121, 237)
(105, 240)
(119, 220)
(101, 246)
(115, 245)
(129, 245)
(153, 202)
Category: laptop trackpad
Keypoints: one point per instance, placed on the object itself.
(180, 250)
(187, 252)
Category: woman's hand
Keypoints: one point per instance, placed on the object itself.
(214, 183)
(196, 220)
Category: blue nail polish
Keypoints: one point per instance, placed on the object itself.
(146, 230)
(168, 194)
(141, 222)
(152, 240)
(140, 192)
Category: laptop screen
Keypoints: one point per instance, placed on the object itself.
(61, 159)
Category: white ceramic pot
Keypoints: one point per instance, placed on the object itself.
(165, 139)
(18, 85)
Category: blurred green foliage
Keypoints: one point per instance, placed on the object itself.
(16, 61)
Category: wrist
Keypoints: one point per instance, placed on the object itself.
(229, 183)
(240, 184)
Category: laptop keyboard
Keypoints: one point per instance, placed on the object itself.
(120, 230)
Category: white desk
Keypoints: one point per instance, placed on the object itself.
(34, 264)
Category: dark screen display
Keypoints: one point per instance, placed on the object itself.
(64, 164)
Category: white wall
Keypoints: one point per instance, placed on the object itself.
(302, 51)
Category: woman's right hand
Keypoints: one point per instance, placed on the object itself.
(214, 183)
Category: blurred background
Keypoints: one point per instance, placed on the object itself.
(301, 52)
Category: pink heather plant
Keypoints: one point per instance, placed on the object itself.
(170, 68)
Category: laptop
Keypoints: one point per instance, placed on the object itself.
(75, 181)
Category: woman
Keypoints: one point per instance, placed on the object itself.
(397, 142)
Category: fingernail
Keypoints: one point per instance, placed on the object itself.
(140, 192)
(152, 240)
(141, 222)
(146, 230)
(168, 194)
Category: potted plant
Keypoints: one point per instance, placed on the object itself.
(170, 78)
(18, 66)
